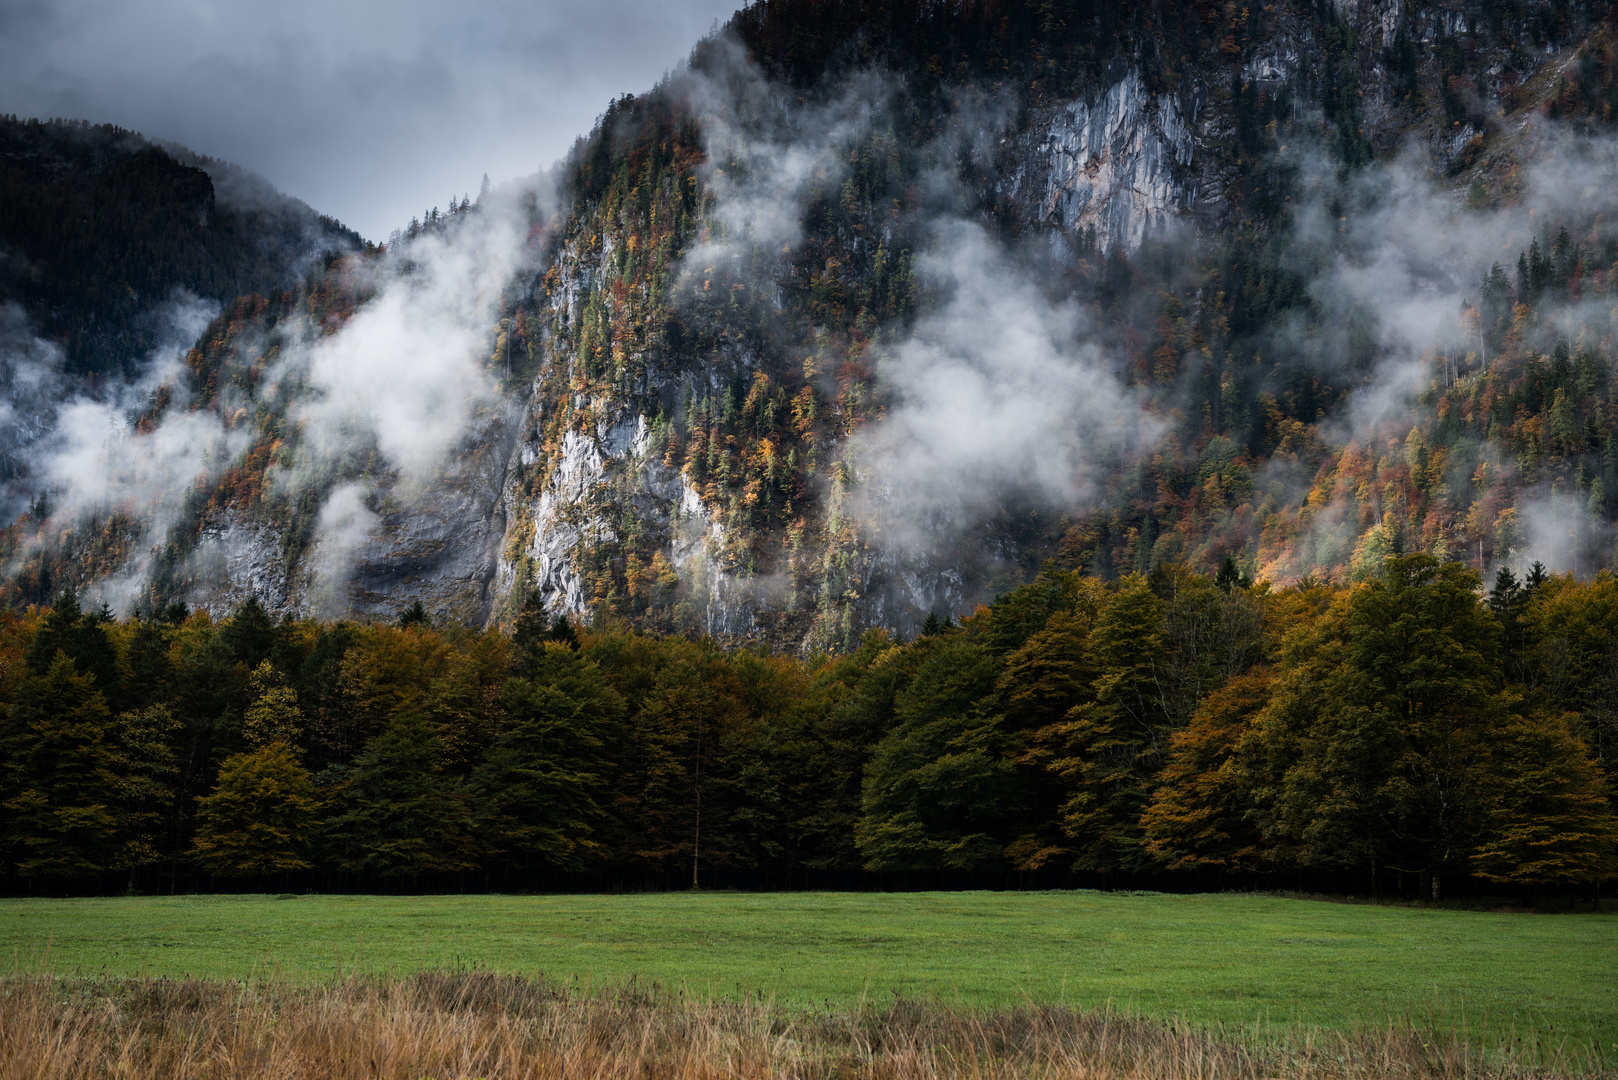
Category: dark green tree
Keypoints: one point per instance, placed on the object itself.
(1547, 819)
(250, 635)
(404, 817)
(80, 635)
(539, 791)
(1115, 744)
(61, 776)
(940, 788)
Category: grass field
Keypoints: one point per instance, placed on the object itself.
(1228, 959)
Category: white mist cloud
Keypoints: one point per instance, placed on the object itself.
(408, 374)
(30, 386)
(85, 455)
(999, 392)
(409, 367)
(345, 523)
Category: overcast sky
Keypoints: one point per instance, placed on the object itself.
(369, 110)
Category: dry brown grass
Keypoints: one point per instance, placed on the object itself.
(481, 1024)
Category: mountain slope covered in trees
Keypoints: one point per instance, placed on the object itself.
(872, 310)
(100, 226)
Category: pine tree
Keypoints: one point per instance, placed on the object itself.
(415, 615)
(405, 818)
(1115, 744)
(539, 788)
(60, 776)
(250, 634)
(83, 638)
(147, 800)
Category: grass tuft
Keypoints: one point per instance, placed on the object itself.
(482, 1024)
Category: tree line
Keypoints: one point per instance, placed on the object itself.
(1406, 733)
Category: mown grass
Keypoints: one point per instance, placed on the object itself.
(1243, 961)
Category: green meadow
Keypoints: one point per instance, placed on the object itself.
(1225, 959)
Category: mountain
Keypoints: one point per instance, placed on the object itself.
(871, 310)
(100, 226)
(112, 246)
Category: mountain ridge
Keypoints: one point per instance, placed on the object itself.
(693, 410)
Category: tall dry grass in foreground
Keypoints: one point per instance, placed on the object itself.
(481, 1024)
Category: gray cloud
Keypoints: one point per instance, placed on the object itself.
(370, 111)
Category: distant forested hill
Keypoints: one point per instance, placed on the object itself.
(98, 226)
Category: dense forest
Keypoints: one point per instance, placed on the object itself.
(99, 227)
(1299, 637)
(1406, 735)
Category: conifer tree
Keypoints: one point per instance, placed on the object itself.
(404, 817)
(147, 800)
(940, 788)
(60, 775)
(250, 634)
(83, 638)
(540, 787)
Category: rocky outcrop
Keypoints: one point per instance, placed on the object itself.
(1116, 164)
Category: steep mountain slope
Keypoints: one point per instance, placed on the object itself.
(112, 246)
(875, 308)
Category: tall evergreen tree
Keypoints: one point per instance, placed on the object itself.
(940, 788)
(83, 637)
(60, 775)
(404, 818)
(540, 788)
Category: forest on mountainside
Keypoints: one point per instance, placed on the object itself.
(760, 369)
(1406, 735)
(100, 227)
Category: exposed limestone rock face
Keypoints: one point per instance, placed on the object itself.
(244, 558)
(440, 547)
(1117, 164)
(560, 473)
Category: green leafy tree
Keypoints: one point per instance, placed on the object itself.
(1052, 673)
(1389, 732)
(60, 774)
(261, 817)
(274, 715)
